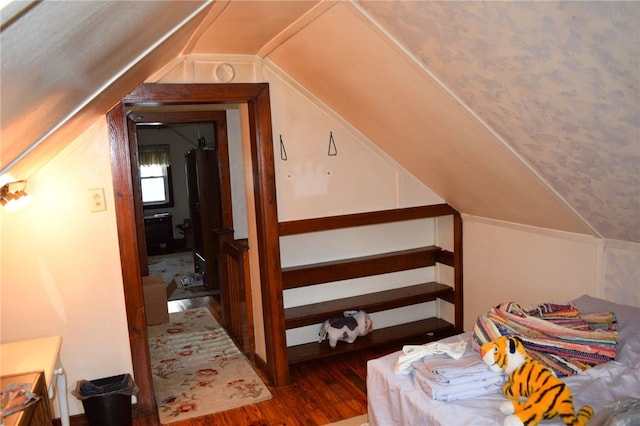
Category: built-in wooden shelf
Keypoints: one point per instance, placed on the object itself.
(304, 226)
(344, 269)
(300, 316)
(416, 332)
(412, 333)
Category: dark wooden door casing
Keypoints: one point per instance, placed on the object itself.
(257, 100)
(205, 209)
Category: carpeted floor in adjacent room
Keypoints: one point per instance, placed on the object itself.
(175, 266)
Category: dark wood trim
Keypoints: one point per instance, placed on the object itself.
(411, 333)
(304, 226)
(446, 258)
(300, 316)
(238, 318)
(264, 189)
(222, 145)
(130, 264)
(256, 97)
(173, 117)
(458, 273)
(344, 269)
(137, 195)
(222, 237)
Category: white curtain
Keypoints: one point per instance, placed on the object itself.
(154, 155)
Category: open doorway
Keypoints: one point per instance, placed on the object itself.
(255, 100)
(197, 199)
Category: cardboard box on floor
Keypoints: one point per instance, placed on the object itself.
(172, 286)
(155, 299)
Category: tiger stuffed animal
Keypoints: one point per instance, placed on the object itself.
(535, 393)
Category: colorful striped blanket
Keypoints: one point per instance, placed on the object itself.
(558, 336)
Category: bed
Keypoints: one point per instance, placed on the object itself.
(398, 400)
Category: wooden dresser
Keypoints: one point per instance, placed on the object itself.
(158, 231)
(38, 414)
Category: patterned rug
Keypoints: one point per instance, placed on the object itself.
(176, 265)
(197, 369)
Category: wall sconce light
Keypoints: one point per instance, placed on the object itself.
(13, 195)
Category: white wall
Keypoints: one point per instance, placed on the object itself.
(506, 262)
(311, 183)
(61, 265)
(621, 272)
(237, 170)
(359, 177)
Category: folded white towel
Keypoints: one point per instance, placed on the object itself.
(449, 379)
(413, 353)
(454, 392)
(453, 377)
(445, 369)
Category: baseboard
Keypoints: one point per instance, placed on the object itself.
(261, 368)
(81, 419)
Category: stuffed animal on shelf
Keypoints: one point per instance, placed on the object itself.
(347, 327)
(535, 393)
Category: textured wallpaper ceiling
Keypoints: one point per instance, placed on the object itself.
(558, 81)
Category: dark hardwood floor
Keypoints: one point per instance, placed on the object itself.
(320, 392)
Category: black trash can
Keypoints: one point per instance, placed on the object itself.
(107, 401)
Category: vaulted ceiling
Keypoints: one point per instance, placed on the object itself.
(526, 112)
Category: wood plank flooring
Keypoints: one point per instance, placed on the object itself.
(320, 392)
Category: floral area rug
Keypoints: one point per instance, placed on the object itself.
(177, 265)
(198, 370)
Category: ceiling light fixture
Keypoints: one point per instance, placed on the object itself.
(13, 195)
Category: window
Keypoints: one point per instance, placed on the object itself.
(155, 175)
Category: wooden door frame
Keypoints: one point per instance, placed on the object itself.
(256, 97)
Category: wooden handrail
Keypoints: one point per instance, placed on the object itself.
(235, 255)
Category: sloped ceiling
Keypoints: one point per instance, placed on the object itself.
(520, 111)
(59, 58)
(557, 81)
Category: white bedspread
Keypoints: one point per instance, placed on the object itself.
(397, 400)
